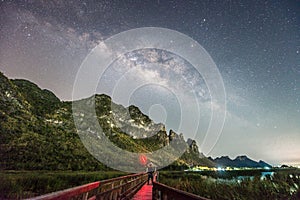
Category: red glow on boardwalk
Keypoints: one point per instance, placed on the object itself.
(145, 193)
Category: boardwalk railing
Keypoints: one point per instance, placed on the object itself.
(120, 188)
(164, 192)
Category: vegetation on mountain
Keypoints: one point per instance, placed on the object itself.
(42, 101)
(37, 131)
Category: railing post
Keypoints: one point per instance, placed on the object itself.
(85, 196)
(111, 194)
(157, 176)
(164, 196)
(154, 193)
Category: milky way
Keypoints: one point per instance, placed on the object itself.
(255, 45)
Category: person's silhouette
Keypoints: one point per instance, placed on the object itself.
(150, 171)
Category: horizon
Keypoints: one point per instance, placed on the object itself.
(254, 45)
(167, 131)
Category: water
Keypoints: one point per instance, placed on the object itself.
(241, 178)
(264, 174)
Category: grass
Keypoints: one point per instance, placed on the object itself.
(285, 184)
(24, 184)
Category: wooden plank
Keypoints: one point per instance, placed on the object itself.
(145, 193)
(167, 192)
(132, 191)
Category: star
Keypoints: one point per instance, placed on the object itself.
(255, 46)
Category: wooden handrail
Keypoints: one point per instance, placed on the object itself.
(115, 188)
(164, 192)
(121, 188)
(68, 193)
(120, 178)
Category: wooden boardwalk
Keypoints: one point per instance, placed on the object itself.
(145, 193)
(133, 186)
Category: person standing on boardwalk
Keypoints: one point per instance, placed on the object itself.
(150, 171)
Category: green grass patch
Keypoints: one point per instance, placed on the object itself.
(284, 184)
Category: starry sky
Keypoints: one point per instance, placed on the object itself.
(254, 44)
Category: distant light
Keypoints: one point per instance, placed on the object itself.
(267, 168)
(220, 169)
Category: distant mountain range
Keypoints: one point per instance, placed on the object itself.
(239, 161)
(37, 131)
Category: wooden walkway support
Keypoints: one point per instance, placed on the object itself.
(120, 188)
(164, 192)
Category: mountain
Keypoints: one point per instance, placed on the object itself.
(37, 131)
(38, 99)
(239, 161)
(264, 164)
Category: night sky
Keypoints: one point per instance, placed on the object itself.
(254, 44)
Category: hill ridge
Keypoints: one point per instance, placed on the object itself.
(37, 131)
(239, 161)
